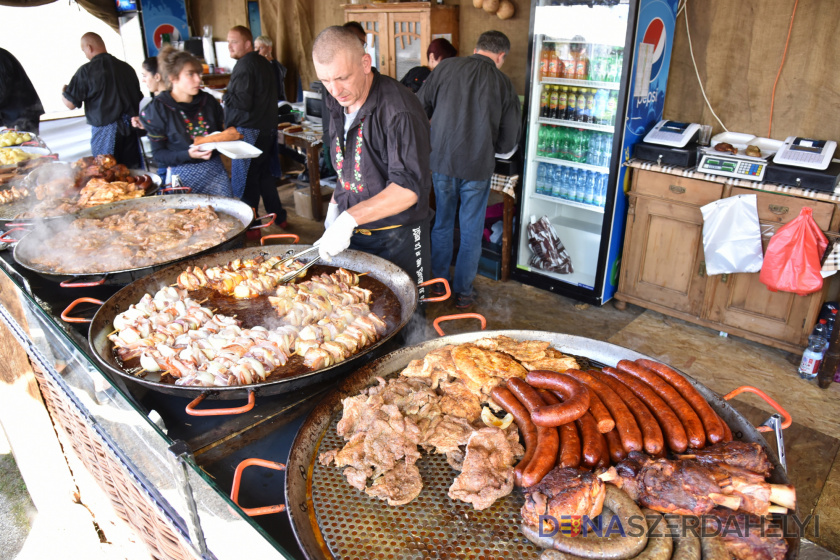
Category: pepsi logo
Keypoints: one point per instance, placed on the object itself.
(656, 35)
(163, 28)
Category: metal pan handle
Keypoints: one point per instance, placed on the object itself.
(4, 239)
(237, 478)
(20, 225)
(192, 411)
(67, 319)
(273, 217)
(168, 190)
(443, 318)
(69, 284)
(444, 297)
(788, 420)
(280, 236)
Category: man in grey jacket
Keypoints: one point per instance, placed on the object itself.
(475, 114)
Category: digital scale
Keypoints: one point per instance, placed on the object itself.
(672, 133)
(728, 165)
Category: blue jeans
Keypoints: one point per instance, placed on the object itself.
(473, 196)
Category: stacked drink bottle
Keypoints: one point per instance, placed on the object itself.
(570, 183)
(573, 144)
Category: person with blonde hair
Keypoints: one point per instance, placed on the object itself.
(109, 90)
(263, 45)
(177, 117)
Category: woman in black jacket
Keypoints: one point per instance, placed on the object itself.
(176, 117)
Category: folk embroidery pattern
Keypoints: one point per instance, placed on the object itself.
(356, 184)
(199, 128)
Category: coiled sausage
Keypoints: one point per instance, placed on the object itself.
(548, 440)
(574, 394)
(510, 404)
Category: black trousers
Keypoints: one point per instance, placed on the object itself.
(408, 247)
(260, 182)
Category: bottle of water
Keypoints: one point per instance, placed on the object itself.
(566, 189)
(813, 355)
(578, 185)
(540, 187)
(606, 150)
(557, 181)
(603, 184)
(589, 193)
(593, 152)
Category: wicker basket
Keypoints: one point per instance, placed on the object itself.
(130, 502)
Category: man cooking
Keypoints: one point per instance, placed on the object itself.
(110, 92)
(379, 144)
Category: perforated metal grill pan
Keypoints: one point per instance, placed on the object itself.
(333, 520)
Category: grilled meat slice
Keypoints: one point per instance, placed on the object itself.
(683, 487)
(447, 435)
(458, 400)
(525, 351)
(487, 474)
(398, 486)
(741, 454)
(563, 491)
(482, 370)
(747, 537)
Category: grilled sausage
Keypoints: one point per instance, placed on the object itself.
(617, 452)
(574, 394)
(727, 433)
(604, 461)
(686, 546)
(548, 440)
(569, 446)
(668, 421)
(651, 432)
(600, 413)
(628, 429)
(592, 442)
(145, 182)
(713, 548)
(690, 420)
(614, 547)
(659, 545)
(510, 404)
(711, 422)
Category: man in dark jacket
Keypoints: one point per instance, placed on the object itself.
(250, 104)
(379, 143)
(20, 105)
(110, 92)
(475, 114)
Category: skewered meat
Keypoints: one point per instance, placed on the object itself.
(563, 492)
(741, 454)
(487, 472)
(682, 487)
(745, 536)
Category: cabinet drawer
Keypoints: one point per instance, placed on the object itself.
(678, 189)
(780, 209)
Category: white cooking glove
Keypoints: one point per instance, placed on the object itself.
(337, 237)
(332, 214)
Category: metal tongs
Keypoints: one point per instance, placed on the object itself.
(289, 276)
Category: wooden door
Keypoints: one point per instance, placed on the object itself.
(742, 301)
(410, 37)
(663, 258)
(377, 27)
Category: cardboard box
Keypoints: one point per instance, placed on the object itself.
(303, 204)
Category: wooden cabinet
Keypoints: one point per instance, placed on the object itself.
(402, 32)
(663, 267)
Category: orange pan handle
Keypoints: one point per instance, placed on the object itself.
(237, 478)
(69, 284)
(20, 225)
(444, 297)
(186, 190)
(443, 318)
(5, 239)
(67, 319)
(192, 411)
(788, 420)
(293, 236)
(272, 215)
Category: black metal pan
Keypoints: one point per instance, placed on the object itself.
(327, 514)
(29, 246)
(385, 272)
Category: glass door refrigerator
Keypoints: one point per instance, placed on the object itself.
(597, 76)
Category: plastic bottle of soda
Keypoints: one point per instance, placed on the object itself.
(544, 59)
(544, 97)
(565, 144)
(582, 63)
(596, 73)
(590, 105)
(552, 61)
(563, 57)
(542, 136)
(562, 103)
(612, 107)
(552, 101)
(580, 109)
(615, 63)
(813, 355)
(558, 141)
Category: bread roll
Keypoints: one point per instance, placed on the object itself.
(477, 3)
(490, 6)
(506, 9)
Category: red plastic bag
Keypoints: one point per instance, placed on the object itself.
(792, 259)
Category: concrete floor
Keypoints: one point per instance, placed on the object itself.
(722, 363)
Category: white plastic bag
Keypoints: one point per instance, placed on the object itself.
(732, 235)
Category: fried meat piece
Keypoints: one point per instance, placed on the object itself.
(482, 370)
(458, 400)
(563, 492)
(398, 486)
(436, 366)
(525, 351)
(447, 434)
(559, 365)
(746, 537)
(740, 454)
(487, 473)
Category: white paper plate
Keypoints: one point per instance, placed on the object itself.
(237, 149)
(737, 139)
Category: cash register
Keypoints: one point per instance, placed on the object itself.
(670, 143)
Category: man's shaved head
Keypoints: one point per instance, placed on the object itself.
(334, 40)
(92, 44)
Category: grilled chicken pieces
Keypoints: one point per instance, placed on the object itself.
(563, 492)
